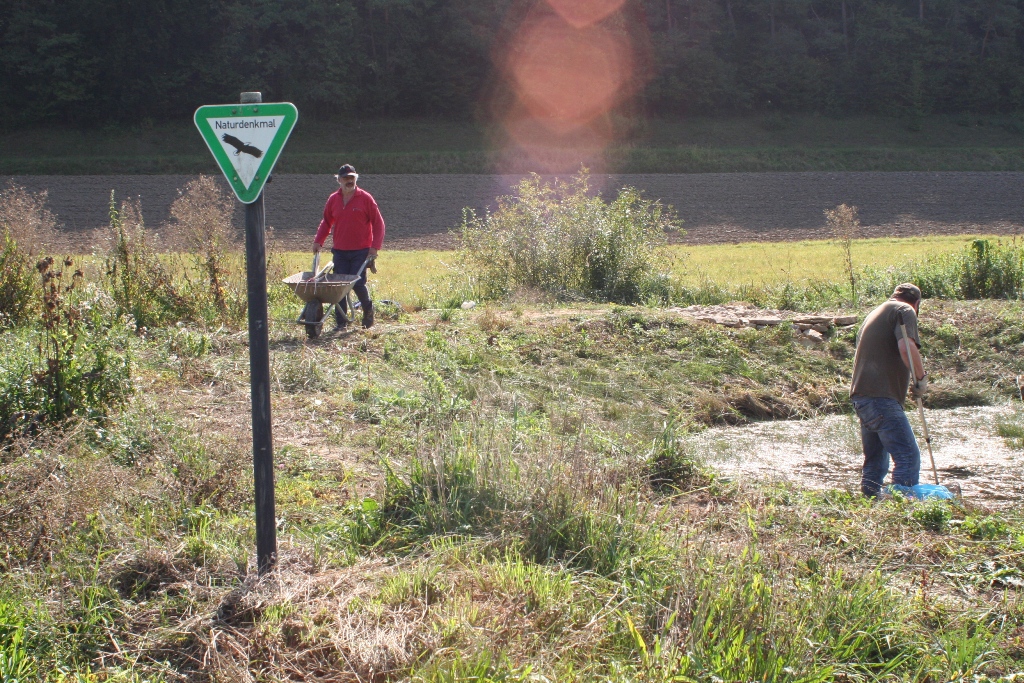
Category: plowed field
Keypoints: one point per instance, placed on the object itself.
(716, 207)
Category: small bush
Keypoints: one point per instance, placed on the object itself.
(933, 515)
(563, 240)
(17, 288)
(845, 227)
(75, 365)
(25, 217)
(671, 467)
(202, 213)
(25, 224)
(137, 281)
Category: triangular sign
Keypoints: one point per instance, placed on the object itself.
(246, 140)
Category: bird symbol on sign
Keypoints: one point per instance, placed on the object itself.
(241, 146)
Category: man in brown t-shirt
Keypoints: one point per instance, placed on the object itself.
(881, 375)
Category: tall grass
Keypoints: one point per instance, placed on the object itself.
(202, 213)
(25, 226)
(982, 270)
(135, 277)
(560, 239)
(205, 286)
(470, 482)
(77, 363)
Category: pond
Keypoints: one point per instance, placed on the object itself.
(825, 452)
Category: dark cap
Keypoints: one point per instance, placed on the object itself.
(347, 169)
(908, 292)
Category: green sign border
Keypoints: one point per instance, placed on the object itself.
(246, 195)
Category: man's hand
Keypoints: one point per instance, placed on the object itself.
(373, 253)
(919, 388)
(316, 248)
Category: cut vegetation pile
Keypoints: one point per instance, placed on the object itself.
(500, 494)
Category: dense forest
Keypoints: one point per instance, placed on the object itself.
(80, 61)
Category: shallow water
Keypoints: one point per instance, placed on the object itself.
(825, 452)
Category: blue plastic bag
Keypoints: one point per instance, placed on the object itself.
(923, 491)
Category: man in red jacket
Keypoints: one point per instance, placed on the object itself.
(352, 215)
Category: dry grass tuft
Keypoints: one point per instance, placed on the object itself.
(25, 217)
(48, 489)
(493, 321)
(845, 228)
(202, 216)
(296, 622)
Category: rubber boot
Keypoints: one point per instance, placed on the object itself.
(368, 315)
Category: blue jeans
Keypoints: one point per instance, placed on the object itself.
(884, 431)
(347, 263)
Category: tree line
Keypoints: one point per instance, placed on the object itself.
(79, 62)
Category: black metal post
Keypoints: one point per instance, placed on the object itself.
(259, 377)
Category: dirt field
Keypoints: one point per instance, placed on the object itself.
(716, 207)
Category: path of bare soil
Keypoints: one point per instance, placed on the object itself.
(716, 207)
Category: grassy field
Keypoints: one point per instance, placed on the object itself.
(771, 263)
(658, 146)
(507, 492)
(495, 495)
(414, 278)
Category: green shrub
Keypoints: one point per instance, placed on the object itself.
(671, 467)
(563, 240)
(16, 282)
(933, 515)
(137, 281)
(25, 224)
(982, 270)
(76, 364)
(987, 528)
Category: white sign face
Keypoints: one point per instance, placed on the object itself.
(245, 141)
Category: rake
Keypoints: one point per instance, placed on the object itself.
(920, 401)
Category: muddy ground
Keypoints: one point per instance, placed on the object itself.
(825, 452)
(716, 207)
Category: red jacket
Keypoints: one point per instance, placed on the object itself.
(356, 226)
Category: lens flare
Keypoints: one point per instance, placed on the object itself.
(537, 147)
(567, 76)
(580, 13)
(568, 67)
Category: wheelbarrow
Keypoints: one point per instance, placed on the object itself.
(319, 287)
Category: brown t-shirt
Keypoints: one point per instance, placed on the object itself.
(878, 369)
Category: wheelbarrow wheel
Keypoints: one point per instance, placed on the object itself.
(314, 310)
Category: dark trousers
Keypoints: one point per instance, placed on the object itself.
(347, 263)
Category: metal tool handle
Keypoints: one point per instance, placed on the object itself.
(317, 271)
(920, 401)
